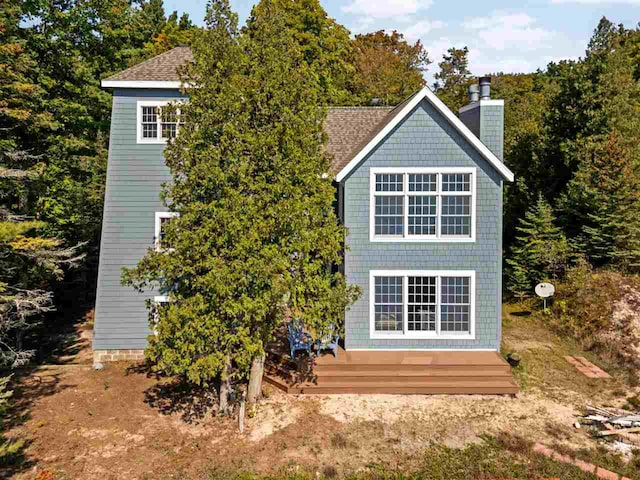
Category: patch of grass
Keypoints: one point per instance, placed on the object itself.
(633, 402)
(604, 458)
(543, 366)
(494, 457)
(338, 440)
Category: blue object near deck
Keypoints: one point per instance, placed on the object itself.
(329, 342)
(298, 338)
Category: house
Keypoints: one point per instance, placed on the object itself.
(420, 191)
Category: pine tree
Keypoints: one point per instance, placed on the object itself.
(541, 251)
(452, 81)
(604, 199)
(256, 229)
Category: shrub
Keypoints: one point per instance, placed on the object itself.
(601, 309)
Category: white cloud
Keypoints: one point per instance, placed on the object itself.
(376, 9)
(502, 41)
(502, 31)
(599, 2)
(419, 29)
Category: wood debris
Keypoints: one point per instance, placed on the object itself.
(622, 425)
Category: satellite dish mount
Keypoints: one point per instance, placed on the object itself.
(545, 290)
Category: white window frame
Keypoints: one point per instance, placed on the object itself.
(439, 171)
(157, 301)
(158, 223)
(153, 103)
(406, 333)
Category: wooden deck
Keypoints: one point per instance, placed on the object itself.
(402, 372)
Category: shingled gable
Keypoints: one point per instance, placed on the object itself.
(353, 132)
(401, 112)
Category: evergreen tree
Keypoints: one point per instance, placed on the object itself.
(453, 79)
(603, 198)
(387, 67)
(324, 43)
(541, 251)
(256, 229)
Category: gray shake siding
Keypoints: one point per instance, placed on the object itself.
(487, 123)
(135, 174)
(425, 139)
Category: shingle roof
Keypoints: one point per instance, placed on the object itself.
(163, 67)
(349, 129)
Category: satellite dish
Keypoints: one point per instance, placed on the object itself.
(545, 290)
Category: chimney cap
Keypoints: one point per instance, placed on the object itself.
(485, 88)
(474, 93)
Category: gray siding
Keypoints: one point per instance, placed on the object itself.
(487, 123)
(425, 139)
(135, 174)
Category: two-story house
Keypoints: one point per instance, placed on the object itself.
(420, 191)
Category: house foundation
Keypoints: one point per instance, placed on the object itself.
(101, 356)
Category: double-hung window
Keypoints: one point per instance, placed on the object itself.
(422, 304)
(157, 121)
(162, 219)
(423, 204)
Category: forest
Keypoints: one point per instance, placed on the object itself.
(572, 138)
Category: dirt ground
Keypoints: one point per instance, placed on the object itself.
(123, 422)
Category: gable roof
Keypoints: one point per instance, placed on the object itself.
(353, 131)
(160, 71)
(401, 112)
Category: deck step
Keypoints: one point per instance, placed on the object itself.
(502, 387)
(411, 370)
(414, 380)
(457, 390)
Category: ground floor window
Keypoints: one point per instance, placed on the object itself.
(422, 304)
(162, 218)
(159, 302)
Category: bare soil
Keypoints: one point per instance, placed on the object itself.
(123, 422)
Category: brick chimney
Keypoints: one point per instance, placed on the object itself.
(484, 116)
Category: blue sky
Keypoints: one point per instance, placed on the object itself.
(502, 35)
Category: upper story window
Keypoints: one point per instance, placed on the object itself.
(157, 122)
(423, 204)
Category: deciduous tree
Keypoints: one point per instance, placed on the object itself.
(387, 67)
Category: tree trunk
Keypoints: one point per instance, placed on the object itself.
(225, 389)
(255, 380)
(241, 414)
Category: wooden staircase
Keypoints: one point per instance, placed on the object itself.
(403, 372)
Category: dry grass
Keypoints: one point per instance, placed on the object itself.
(544, 369)
(124, 423)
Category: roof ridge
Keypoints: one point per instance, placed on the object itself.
(362, 107)
(140, 65)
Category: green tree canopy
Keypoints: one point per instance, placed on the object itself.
(541, 251)
(453, 79)
(324, 44)
(256, 230)
(387, 67)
